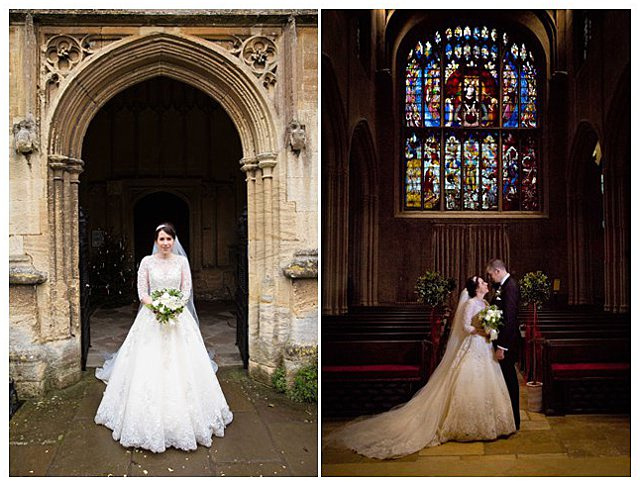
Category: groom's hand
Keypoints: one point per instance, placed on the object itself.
(499, 354)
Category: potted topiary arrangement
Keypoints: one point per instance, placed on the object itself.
(535, 289)
(433, 289)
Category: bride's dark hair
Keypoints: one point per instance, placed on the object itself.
(472, 286)
(167, 228)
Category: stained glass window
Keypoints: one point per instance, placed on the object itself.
(471, 122)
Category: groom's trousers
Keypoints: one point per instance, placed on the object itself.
(511, 379)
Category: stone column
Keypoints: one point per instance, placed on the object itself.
(301, 346)
(64, 175)
(337, 242)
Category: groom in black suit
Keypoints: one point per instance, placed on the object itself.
(507, 298)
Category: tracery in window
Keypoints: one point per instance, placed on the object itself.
(471, 123)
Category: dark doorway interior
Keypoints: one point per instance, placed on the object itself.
(154, 209)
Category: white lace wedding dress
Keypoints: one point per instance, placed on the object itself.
(465, 399)
(161, 388)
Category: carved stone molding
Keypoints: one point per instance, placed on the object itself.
(62, 163)
(259, 53)
(62, 53)
(22, 271)
(304, 265)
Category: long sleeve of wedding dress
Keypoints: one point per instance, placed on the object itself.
(143, 279)
(161, 388)
(465, 399)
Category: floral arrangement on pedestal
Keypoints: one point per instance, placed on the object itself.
(433, 290)
(535, 289)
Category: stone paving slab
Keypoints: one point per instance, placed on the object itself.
(270, 436)
(571, 445)
(171, 462)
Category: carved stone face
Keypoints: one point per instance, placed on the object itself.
(297, 136)
(25, 138)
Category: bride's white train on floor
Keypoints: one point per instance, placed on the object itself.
(466, 399)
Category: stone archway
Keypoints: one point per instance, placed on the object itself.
(363, 218)
(584, 213)
(335, 188)
(87, 88)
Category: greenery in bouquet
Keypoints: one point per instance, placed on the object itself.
(112, 274)
(433, 289)
(491, 320)
(166, 304)
(535, 288)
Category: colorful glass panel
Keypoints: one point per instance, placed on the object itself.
(452, 174)
(489, 172)
(432, 94)
(529, 185)
(471, 172)
(413, 101)
(431, 178)
(509, 93)
(413, 158)
(510, 173)
(528, 95)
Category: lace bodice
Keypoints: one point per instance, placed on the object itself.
(471, 310)
(159, 273)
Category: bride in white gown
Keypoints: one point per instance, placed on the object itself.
(465, 399)
(162, 390)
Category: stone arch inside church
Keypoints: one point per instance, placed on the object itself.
(363, 198)
(586, 218)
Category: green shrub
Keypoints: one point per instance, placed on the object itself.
(279, 380)
(305, 384)
(433, 289)
(535, 288)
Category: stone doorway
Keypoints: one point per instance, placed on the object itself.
(248, 103)
(160, 151)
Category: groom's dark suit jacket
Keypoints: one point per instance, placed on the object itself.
(508, 301)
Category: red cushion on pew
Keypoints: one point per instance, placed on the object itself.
(368, 368)
(584, 369)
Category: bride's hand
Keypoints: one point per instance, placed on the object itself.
(146, 300)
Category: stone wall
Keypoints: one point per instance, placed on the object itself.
(261, 66)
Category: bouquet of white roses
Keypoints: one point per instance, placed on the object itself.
(491, 320)
(166, 304)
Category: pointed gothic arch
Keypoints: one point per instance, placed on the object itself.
(363, 217)
(109, 71)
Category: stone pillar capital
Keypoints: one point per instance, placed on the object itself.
(267, 161)
(249, 164)
(63, 163)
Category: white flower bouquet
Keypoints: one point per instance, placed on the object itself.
(491, 320)
(166, 304)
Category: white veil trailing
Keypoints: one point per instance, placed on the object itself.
(414, 425)
(179, 250)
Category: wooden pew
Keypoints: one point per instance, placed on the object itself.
(374, 358)
(586, 375)
(363, 376)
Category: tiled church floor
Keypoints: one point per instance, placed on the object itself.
(109, 327)
(570, 445)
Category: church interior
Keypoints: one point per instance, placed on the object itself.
(450, 138)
